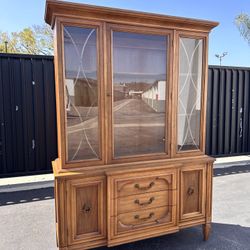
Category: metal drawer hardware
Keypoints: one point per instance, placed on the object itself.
(137, 217)
(145, 203)
(144, 188)
(190, 191)
(86, 208)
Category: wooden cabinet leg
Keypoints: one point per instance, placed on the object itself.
(206, 230)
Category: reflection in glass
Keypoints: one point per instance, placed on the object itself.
(139, 87)
(81, 93)
(189, 102)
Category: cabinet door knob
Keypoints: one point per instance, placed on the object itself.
(86, 208)
(190, 191)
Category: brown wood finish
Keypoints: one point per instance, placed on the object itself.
(142, 219)
(56, 8)
(86, 210)
(145, 184)
(144, 201)
(115, 200)
(140, 200)
(193, 192)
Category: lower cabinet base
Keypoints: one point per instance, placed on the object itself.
(206, 232)
(123, 205)
(123, 240)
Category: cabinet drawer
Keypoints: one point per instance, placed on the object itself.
(141, 203)
(142, 219)
(144, 201)
(144, 183)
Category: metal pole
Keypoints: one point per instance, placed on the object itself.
(6, 46)
(221, 56)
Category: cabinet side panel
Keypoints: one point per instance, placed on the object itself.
(209, 192)
(60, 212)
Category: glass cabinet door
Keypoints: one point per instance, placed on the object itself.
(189, 93)
(139, 73)
(81, 93)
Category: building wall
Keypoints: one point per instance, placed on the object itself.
(155, 96)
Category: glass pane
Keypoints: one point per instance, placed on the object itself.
(81, 93)
(139, 87)
(189, 104)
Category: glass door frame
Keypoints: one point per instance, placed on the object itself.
(110, 28)
(203, 96)
(60, 89)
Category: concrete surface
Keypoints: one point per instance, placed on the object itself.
(30, 182)
(27, 219)
(232, 161)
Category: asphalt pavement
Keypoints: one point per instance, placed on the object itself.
(27, 219)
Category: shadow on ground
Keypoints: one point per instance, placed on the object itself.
(11, 198)
(231, 170)
(223, 237)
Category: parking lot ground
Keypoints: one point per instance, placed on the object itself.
(27, 219)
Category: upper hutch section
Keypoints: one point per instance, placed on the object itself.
(130, 86)
(56, 9)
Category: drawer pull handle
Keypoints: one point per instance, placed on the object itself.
(144, 188)
(86, 208)
(190, 191)
(145, 203)
(137, 217)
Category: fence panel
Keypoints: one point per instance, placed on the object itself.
(27, 114)
(228, 118)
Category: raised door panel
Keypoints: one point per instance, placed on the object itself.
(193, 195)
(86, 210)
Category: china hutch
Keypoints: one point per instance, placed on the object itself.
(131, 107)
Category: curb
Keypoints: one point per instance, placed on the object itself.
(22, 183)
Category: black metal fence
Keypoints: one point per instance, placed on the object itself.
(27, 114)
(228, 111)
(28, 141)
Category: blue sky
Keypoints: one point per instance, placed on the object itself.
(17, 14)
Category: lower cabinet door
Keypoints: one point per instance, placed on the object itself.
(193, 192)
(86, 211)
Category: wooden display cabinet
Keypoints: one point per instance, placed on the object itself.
(131, 108)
